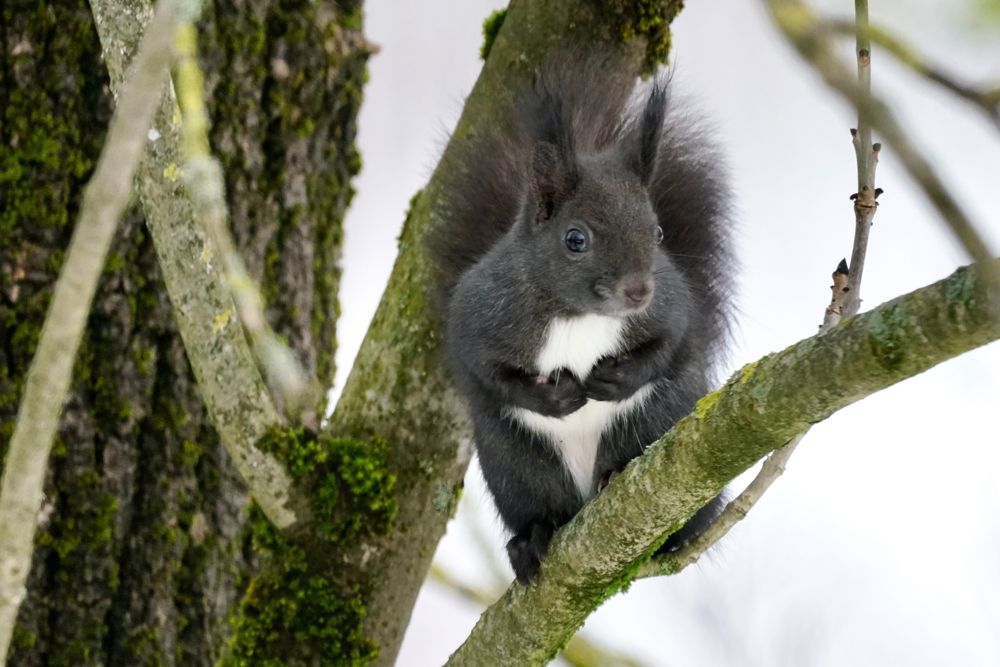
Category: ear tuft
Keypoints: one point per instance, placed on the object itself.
(646, 137)
(552, 179)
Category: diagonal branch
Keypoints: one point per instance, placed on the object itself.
(51, 369)
(297, 393)
(230, 384)
(760, 408)
(580, 651)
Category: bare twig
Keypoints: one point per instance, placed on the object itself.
(51, 369)
(839, 289)
(866, 156)
(298, 393)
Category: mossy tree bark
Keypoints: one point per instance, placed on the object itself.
(142, 551)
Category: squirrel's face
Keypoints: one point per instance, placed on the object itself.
(598, 248)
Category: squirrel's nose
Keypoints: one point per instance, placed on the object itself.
(637, 291)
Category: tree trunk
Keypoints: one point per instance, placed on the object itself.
(142, 551)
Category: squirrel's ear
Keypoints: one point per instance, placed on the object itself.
(645, 139)
(552, 179)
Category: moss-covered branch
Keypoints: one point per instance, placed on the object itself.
(48, 379)
(759, 409)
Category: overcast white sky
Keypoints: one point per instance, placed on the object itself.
(881, 544)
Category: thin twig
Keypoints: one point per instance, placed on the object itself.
(866, 156)
(839, 290)
(298, 393)
(51, 369)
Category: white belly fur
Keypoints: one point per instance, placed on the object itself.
(577, 344)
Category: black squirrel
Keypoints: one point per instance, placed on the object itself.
(585, 264)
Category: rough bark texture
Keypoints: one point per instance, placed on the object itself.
(142, 552)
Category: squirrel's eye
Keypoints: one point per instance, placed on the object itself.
(658, 235)
(576, 240)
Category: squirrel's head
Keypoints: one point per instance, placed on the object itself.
(594, 237)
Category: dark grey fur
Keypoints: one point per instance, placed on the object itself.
(576, 156)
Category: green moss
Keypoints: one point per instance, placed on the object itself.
(491, 26)
(51, 155)
(79, 546)
(87, 516)
(294, 612)
(747, 372)
(962, 291)
(293, 615)
(706, 403)
(51, 132)
(347, 480)
(22, 640)
(145, 643)
(645, 19)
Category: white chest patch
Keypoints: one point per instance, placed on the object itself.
(577, 344)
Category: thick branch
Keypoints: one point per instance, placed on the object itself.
(761, 408)
(51, 369)
(230, 384)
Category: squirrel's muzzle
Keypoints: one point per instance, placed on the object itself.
(635, 291)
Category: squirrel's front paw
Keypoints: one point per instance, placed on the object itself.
(559, 396)
(526, 550)
(614, 379)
